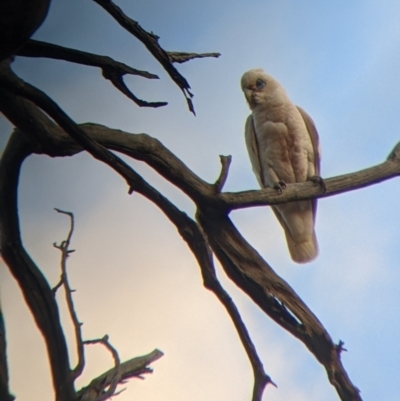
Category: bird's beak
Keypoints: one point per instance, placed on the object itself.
(248, 93)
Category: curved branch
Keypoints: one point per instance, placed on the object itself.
(53, 140)
(119, 83)
(12, 84)
(112, 70)
(33, 284)
(52, 137)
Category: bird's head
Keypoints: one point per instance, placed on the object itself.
(260, 88)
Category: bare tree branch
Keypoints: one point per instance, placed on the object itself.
(119, 83)
(308, 190)
(112, 70)
(65, 252)
(11, 82)
(152, 151)
(242, 263)
(134, 367)
(36, 48)
(213, 231)
(225, 164)
(183, 57)
(274, 296)
(198, 245)
(33, 284)
(106, 393)
(190, 233)
(150, 40)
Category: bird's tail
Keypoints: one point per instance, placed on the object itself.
(302, 252)
(297, 220)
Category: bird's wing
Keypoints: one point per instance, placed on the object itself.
(312, 131)
(252, 148)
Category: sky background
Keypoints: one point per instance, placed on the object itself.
(135, 278)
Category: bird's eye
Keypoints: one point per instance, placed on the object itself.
(260, 84)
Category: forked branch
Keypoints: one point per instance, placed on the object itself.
(275, 297)
(192, 235)
(242, 263)
(150, 40)
(40, 297)
(34, 286)
(112, 70)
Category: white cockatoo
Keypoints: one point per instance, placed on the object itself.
(282, 142)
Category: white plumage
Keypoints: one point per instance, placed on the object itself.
(283, 147)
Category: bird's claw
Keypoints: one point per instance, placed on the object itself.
(316, 179)
(279, 186)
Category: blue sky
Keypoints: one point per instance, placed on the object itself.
(136, 280)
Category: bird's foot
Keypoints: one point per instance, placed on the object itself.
(279, 186)
(316, 179)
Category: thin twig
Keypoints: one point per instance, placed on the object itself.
(65, 252)
(118, 81)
